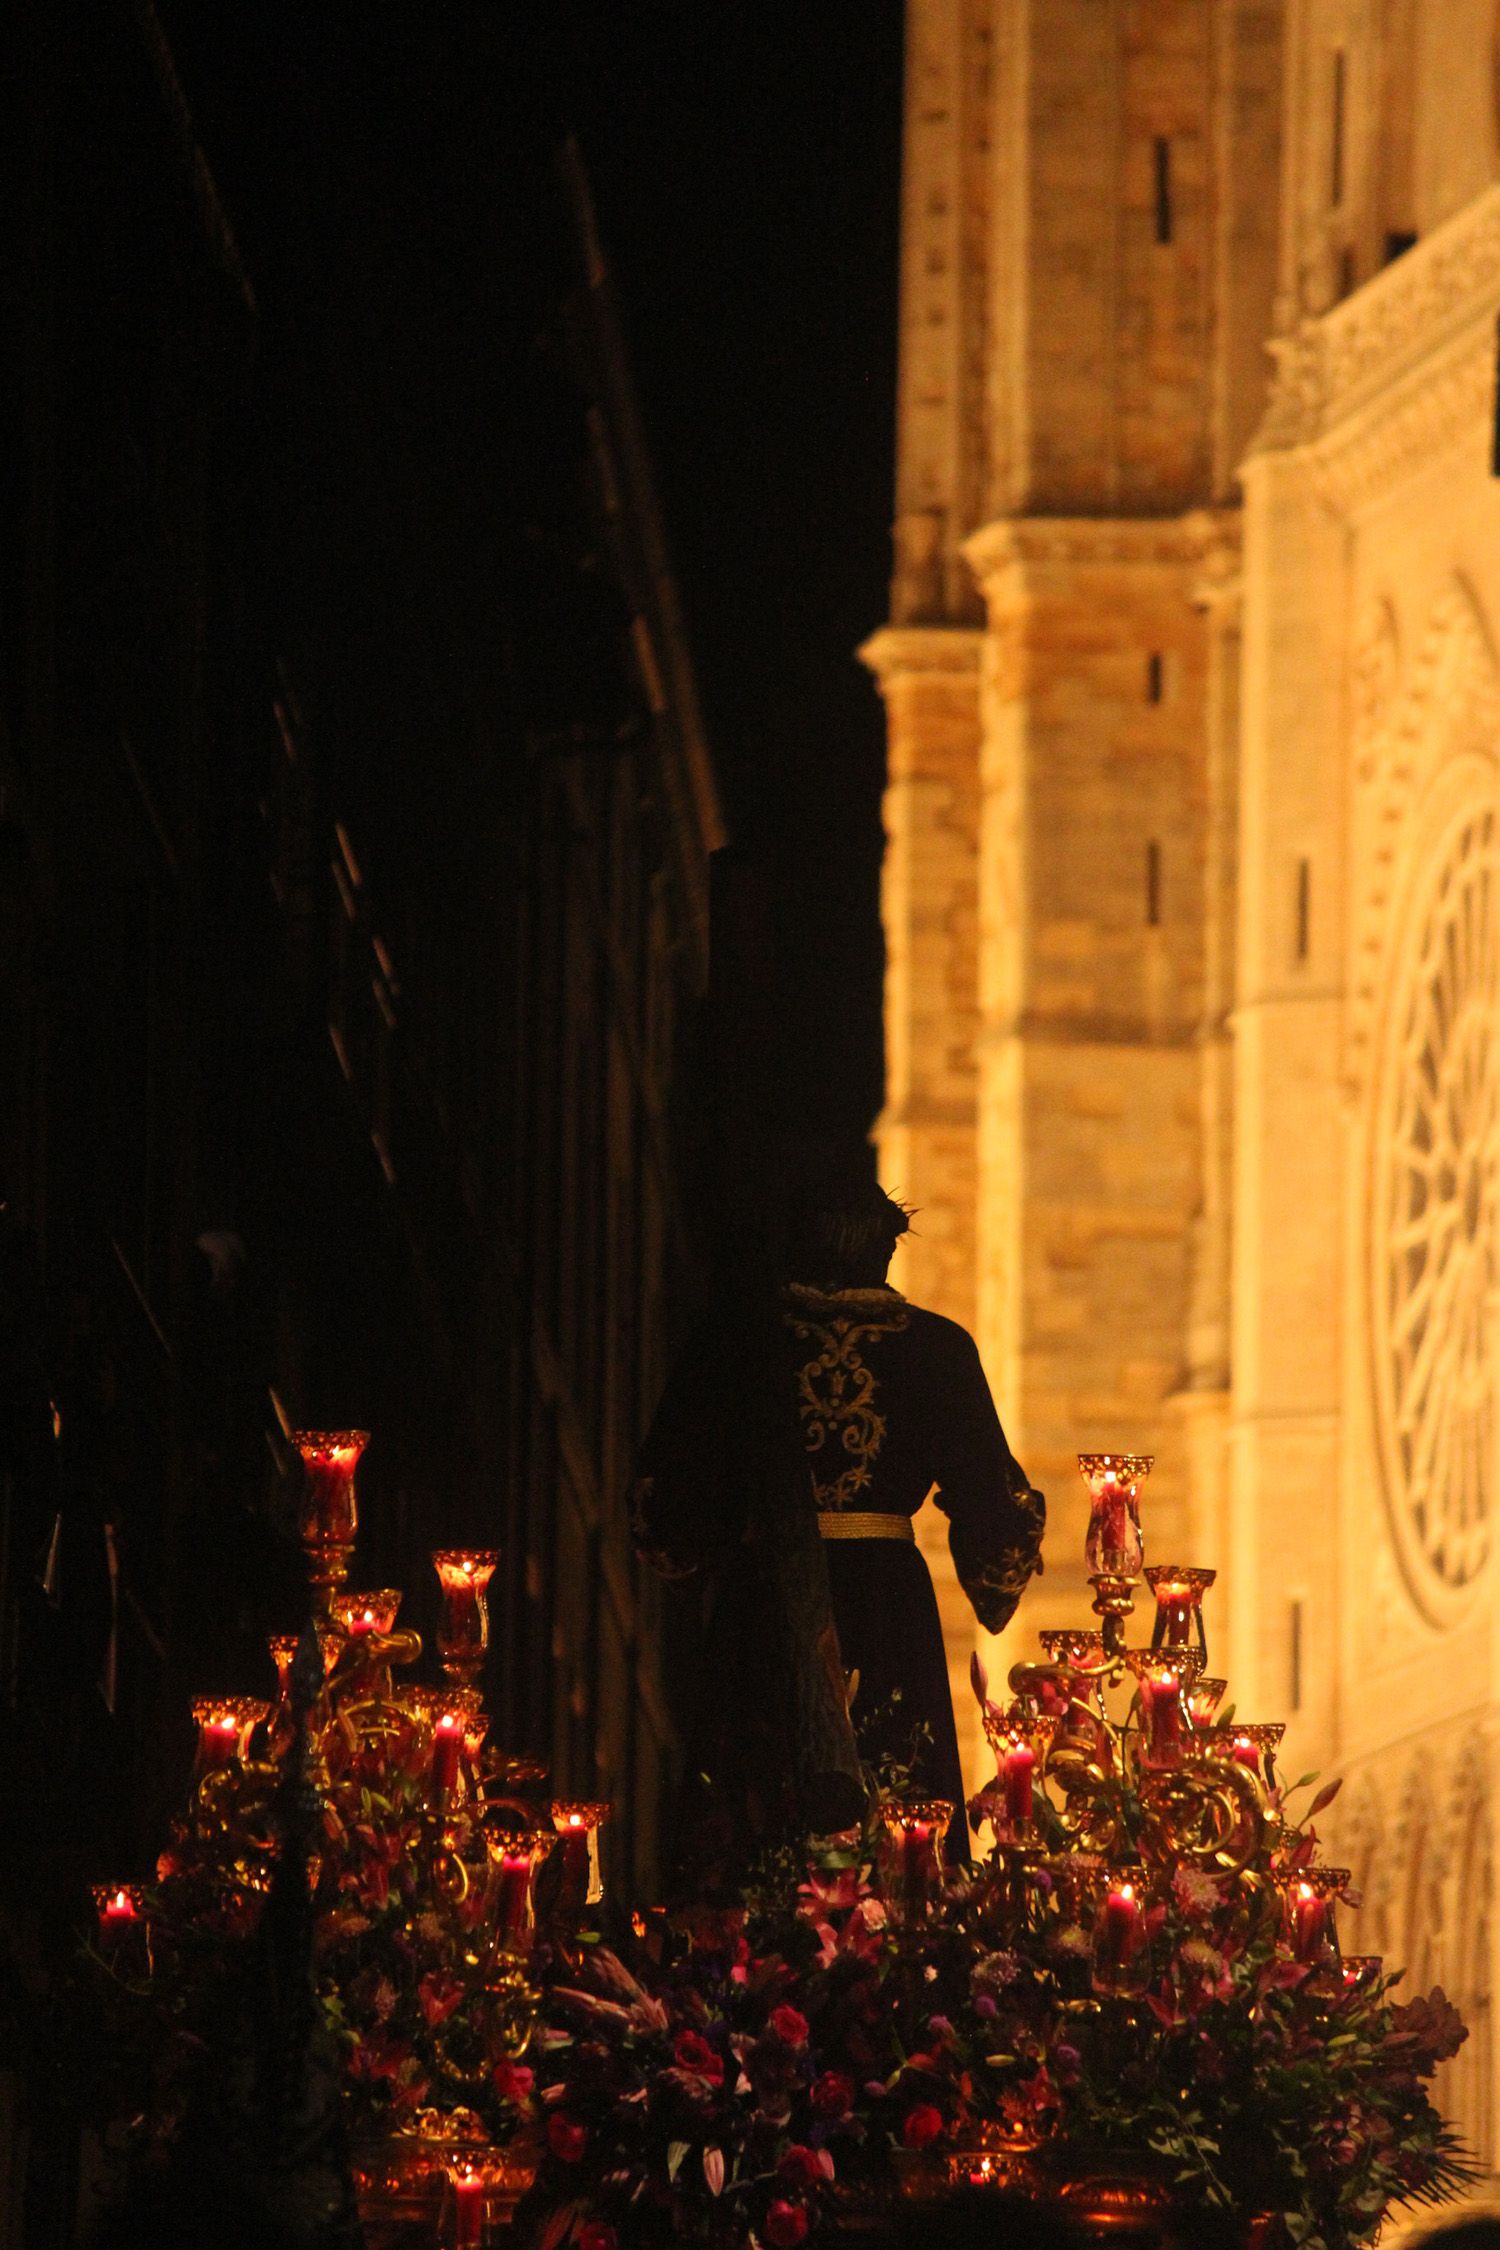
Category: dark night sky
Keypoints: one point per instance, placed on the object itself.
(744, 156)
(746, 166)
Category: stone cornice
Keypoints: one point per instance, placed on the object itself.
(1029, 544)
(895, 652)
(1390, 438)
(1401, 324)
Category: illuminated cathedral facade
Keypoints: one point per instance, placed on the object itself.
(1192, 891)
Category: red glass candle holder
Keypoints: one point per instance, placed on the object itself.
(1358, 1972)
(124, 1927)
(513, 1855)
(463, 1575)
(1179, 1605)
(1307, 1896)
(1121, 1947)
(225, 1724)
(446, 1771)
(913, 1866)
(1204, 1698)
(329, 1517)
(1163, 1677)
(1114, 1547)
(577, 1824)
(1079, 1651)
(1252, 1744)
(469, 2188)
(365, 1617)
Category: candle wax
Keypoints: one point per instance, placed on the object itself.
(1019, 1762)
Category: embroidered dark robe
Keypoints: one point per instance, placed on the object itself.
(895, 1407)
(848, 1400)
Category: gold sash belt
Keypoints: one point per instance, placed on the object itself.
(854, 1523)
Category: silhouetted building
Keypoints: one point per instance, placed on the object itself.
(355, 823)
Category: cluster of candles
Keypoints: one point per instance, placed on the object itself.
(242, 1740)
(1057, 1730)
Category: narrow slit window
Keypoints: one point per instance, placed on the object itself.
(1304, 907)
(1294, 1654)
(1347, 273)
(1336, 142)
(1162, 151)
(1153, 885)
(1154, 676)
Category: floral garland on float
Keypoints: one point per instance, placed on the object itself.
(1136, 2005)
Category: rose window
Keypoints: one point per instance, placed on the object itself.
(1435, 1216)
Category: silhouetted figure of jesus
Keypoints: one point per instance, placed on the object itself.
(894, 1409)
(799, 1436)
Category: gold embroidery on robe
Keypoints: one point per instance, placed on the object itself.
(836, 1393)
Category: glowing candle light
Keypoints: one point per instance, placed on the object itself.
(468, 2205)
(1114, 1547)
(1122, 1926)
(1161, 1693)
(224, 1723)
(577, 1826)
(513, 1859)
(124, 1928)
(119, 1906)
(463, 1575)
(1309, 1915)
(1179, 1604)
(447, 1743)
(1122, 1957)
(1017, 1776)
(329, 1516)
(915, 1831)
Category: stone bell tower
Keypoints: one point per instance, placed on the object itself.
(1088, 266)
(1192, 897)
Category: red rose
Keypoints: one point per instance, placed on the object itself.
(923, 2126)
(566, 2138)
(786, 2225)
(800, 2167)
(693, 2053)
(832, 2094)
(513, 2081)
(790, 2027)
(597, 2236)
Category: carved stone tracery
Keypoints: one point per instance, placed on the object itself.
(1422, 1047)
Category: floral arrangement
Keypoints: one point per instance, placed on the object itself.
(1142, 1980)
(750, 2074)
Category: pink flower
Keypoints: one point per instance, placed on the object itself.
(566, 2138)
(791, 2028)
(513, 2081)
(832, 2095)
(786, 2225)
(922, 2126)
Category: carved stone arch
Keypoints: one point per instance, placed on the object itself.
(1425, 1051)
(1399, 1864)
(1405, 730)
(1424, 1866)
(1466, 2086)
(1364, 1842)
(1374, 677)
